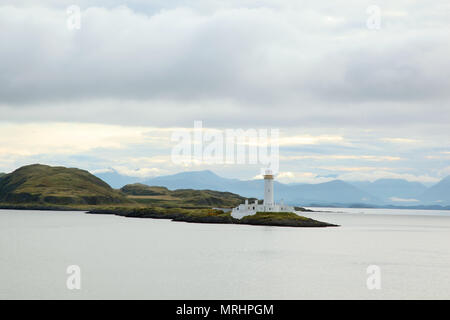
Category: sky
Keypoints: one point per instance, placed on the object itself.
(352, 100)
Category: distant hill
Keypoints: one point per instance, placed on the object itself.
(205, 179)
(382, 192)
(41, 184)
(389, 189)
(332, 192)
(438, 194)
(115, 179)
(181, 197)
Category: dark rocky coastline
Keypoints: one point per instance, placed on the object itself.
(216, 216)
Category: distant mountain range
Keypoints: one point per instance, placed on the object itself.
(383, 192)
(389, 190)
(437, 194)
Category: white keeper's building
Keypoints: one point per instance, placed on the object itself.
(248, 209)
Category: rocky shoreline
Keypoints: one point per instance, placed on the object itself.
(216, 217)
(190, 215)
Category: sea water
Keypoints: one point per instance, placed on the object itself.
(131, 258)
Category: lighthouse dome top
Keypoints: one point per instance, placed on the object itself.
(268, 174)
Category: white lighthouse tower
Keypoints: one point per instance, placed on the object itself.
(248, 209)
(268, 188)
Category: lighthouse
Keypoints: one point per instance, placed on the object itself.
(248, 209)
(268, 188)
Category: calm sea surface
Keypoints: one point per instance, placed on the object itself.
(160, 259)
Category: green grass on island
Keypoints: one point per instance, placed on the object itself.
(44, 187)
(200, 215)
(282, 219)
(183, 198)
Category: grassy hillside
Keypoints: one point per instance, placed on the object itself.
(181, 197)
(282, 219)
(42, 185)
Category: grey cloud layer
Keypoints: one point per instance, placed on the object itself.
(310, 62)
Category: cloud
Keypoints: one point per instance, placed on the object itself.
(308, 140)
(395, 199)
(345, 168)
(296, 177)
(400, 140)
(140, 172)
(105, 170)
(303, 177)
(444, 155)
(372, 175)
(334, 157)
(443, 172)
(280, 63)
(64, 138)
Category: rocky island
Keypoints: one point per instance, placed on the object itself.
(279, 219)
(42, 187)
